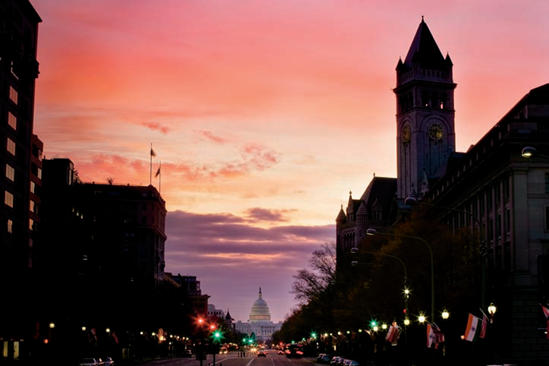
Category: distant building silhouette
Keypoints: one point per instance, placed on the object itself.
(190, 287)
(259, 322)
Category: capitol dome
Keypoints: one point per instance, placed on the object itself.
(260, 311)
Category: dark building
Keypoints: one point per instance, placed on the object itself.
(102, 255)
(191, 289)
(18, 72)
(491, 189)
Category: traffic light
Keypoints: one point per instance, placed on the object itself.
(217, 336)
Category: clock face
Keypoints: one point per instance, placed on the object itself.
(406, 133)
(436, 132)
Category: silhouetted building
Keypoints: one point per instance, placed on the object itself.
(18, 72)
(506, 196)
(190, 287)
(102, 251)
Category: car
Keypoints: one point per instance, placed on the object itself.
(324, 358)
(280, 352)
(187, 353)
(261, 354)
(88, 362)
(108, 361)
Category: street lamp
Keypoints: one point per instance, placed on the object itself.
(406, 289)
(375, 232)
(529, 152)
(412, 201)
(492, 310)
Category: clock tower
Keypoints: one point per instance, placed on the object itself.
(425, 114)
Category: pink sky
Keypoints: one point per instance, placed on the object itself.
(264, 114)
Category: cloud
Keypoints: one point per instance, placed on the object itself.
(232, 257)
(211, 137)
(261, 214)
(155, 126)
(259, 156)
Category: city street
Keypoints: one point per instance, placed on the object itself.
(233, 359)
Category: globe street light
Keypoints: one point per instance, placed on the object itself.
(375, 232)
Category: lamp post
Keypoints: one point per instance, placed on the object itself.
(412, 201)
(375, 232)
(531, 152)
(406, 291)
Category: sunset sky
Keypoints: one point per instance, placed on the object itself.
(264, 114)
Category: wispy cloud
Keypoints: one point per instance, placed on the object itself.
(257, 214)
(155, 126)
(208, 135)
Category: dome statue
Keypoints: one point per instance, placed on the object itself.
(260, 311)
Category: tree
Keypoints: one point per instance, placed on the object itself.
(310, 284)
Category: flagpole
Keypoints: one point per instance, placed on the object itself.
(151, 165)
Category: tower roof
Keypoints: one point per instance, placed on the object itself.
(424, 49)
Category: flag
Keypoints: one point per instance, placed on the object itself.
(393, 334)
(434, 335)
(546, 313)
(157, 172)
(472, 330)
(430, 336)
(152, 152)
(483, 326)
(439, 336)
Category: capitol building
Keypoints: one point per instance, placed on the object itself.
(259, 322)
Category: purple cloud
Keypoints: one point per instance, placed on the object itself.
(232, 258)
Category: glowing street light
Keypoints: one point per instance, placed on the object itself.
(375, 232)
(406, 290)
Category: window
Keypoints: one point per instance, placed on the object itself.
(31, 224)
(14, 96)
(13, 71)
(546, 183)
(33, 187)
(508, 221)
(506, 190)
(12, 121)
(33, 206)
(10, 227)
(10, 146)
(8, 198)
(10, 173)
(547, 218)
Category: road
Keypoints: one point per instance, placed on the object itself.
(233, 359)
